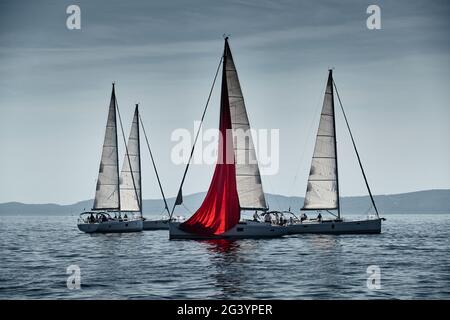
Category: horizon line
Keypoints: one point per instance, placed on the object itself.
(266, 193)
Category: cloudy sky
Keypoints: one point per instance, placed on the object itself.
(55, 86)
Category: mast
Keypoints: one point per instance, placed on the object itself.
(330, 80)
(117, 143)
(139, 149)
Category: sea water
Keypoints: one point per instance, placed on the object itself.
(412, 255)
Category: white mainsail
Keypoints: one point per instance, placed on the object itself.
(248, 178)
(130, 177)
(107, 191)
(322, 189)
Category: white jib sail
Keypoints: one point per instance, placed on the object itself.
(322, 188)
(107, 191)
(130, 177)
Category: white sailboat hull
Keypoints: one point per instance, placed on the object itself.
(243, 230)
(370, 226)
(162, 224)
(114, 226)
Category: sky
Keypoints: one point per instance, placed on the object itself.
(55, 86)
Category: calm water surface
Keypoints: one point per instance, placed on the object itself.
(413, 253)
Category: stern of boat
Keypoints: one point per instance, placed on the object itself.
(88, 227)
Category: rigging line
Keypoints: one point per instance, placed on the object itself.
(330, 77)
(128, 157)
(331, 213)
(187, 208)
(356, 151)
(368, 210)
(154, 165)
(302, 155)
(196, 136)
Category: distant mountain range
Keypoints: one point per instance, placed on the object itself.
(428, 201)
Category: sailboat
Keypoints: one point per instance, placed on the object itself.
(116, 195)
(236, 184)
(322, 192)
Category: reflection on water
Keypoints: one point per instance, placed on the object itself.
(232, 266)
(323, 242)
(227, 259)
(412, 253)
(327, 272)
(221, 246)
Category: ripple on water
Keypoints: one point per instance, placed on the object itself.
(412, 253)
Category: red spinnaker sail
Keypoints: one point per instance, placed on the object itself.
(220, 211)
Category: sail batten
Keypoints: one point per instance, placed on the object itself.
(322, 191)
(130, 176)
(107, 194)
(248, 178)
